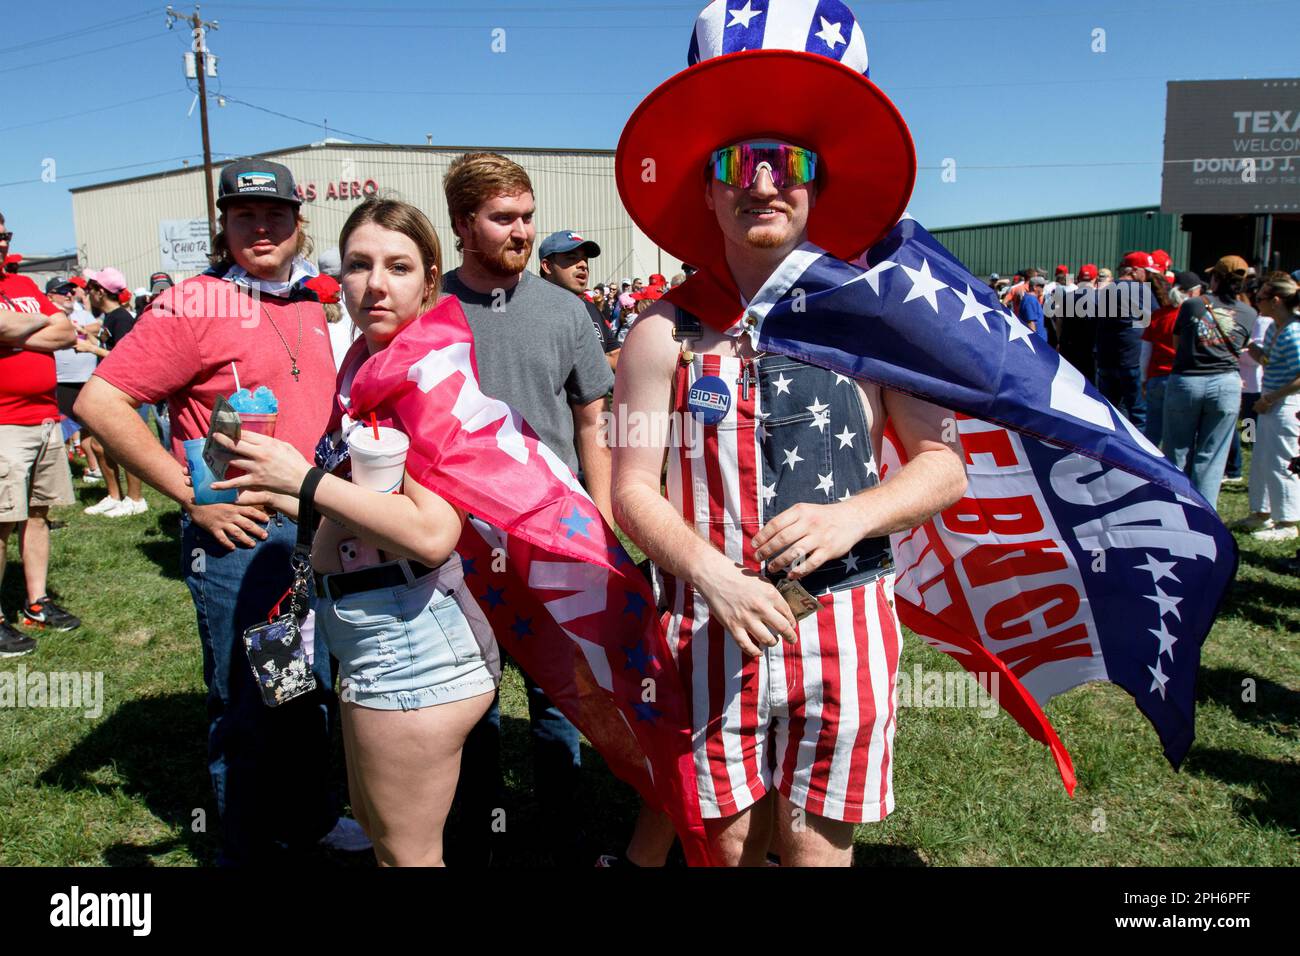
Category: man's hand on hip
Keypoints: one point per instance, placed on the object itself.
(240, 524)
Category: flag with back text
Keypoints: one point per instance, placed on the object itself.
(1078, 552)
(563, 597)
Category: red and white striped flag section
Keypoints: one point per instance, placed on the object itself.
(563, 597)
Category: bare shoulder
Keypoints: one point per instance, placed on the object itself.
(650, 343)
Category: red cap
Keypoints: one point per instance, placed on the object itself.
(1087, 271)
(1065, 269)
(657, 280)
(1162, 259)
(13, 258)
(1139, 260)
(325, 287)
(124, 296)
(78, 281)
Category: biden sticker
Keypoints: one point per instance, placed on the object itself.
(709, 400)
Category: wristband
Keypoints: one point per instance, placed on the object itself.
(307, 491)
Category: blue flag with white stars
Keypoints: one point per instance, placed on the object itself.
(1079, 552)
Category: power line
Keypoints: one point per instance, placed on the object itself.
(106, 169)
(68, 35)
(298, 119)
(98, 109)
(79, 56)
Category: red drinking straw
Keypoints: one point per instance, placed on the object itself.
(374, 423)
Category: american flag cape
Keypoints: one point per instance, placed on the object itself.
(1079, 553)
(563, 597)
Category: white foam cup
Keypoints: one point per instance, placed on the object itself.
(378, 465)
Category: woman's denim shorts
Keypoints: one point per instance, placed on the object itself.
(424, 643)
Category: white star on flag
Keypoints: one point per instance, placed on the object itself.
(1158, 569)
(826, 483)
(743, 15)
(1161, 678)
(817, 407)
(973, 308)
(846, 437)
(841, 379)
(1167, 640)
(782, 384)
(792, 457)
(830, 33)
(873, 274)
(1019, 331)
(1168, 604)
(850, 561)
(924, 285)
(769, 492)
(820, 420)
(847, 495)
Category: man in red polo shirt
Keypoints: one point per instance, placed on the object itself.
(251, 312)
(33, 467)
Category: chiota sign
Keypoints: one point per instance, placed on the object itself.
(184, 244)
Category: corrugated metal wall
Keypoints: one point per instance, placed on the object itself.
(1101, 238)
(117, 223)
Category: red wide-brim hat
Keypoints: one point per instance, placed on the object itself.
(866, 160)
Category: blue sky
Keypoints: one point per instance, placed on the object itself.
(1037, 122)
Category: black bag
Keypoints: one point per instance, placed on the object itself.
(275, 649)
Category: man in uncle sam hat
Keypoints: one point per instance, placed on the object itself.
(854, 430)
(773, 537)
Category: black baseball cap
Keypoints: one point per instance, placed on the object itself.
(59, 286)
(160, 281)
(256, 179)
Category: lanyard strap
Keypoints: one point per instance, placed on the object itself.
(300, 560)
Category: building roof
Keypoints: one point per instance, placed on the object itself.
(350, 147)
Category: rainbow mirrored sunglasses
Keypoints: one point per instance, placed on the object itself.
(788, 165)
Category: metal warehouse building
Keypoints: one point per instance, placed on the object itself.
(121, 223)
(1101, 238)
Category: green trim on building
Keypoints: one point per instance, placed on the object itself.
(1101, 238)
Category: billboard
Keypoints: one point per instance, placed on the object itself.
(1232, 146)
(185, 244)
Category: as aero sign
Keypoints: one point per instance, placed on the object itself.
(1232, 146)
(184, 244)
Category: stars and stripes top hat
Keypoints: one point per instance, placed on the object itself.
(791, 70)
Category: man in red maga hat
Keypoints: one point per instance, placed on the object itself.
(772, 541)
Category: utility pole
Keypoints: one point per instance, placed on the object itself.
(199, 26)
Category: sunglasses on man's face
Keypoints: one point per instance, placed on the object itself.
(739, 165)
(6, 236)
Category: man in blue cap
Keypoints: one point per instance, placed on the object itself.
(564, 258)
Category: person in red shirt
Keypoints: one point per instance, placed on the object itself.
(1160, 333)
(33, 467)
(250, 313)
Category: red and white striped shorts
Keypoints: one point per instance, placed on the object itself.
(815, 719)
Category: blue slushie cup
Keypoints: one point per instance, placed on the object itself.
(201, 476)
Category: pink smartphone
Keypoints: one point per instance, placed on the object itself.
(354, 555)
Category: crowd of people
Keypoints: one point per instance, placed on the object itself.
(782, 582)
(1201, 363)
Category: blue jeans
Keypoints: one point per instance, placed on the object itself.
(1200, 416)
(1248, 400)
(1156, 408)
(1122, 387)
(269, 766)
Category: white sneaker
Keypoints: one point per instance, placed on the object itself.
(125, 509)
(1282, 532)
(138, 505)
(347, 836)
(104, 507)
(1252, 523)
(93, 477)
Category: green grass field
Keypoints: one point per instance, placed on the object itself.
(123, 789)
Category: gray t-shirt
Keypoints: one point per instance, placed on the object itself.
(537, 353)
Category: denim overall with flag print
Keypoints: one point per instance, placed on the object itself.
(814, 719)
